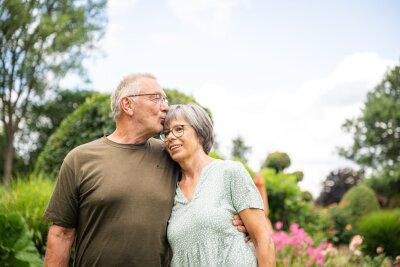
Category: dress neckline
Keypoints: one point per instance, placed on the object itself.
(202, 176)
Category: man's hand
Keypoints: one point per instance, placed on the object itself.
(237, 221)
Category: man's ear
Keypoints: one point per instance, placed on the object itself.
(127, 106)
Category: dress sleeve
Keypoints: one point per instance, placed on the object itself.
(244, 193)
(64, 204)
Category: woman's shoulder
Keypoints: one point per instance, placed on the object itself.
(229, 166)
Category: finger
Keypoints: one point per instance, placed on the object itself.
(241, 228)
(236, 217)
(247, 239)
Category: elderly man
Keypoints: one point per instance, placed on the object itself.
(114, 195)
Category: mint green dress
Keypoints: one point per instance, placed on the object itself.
(200, 232)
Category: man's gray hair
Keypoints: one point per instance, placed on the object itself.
(128, 86)
(198, 118)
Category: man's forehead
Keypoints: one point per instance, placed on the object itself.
(149, 85)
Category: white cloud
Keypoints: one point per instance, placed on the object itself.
(305, 123)
(170, 40)
(119, 5)
(212, 16)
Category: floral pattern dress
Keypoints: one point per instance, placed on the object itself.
(200, 232)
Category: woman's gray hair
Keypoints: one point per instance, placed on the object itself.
(128, 86)
(198, 118)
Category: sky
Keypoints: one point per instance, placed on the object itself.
(283, 75)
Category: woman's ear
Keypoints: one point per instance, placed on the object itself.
(127, 106)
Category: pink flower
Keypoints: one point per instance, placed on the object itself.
(278, 225)
(355, 242)
(294, 228)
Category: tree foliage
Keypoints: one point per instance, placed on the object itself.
(277, 161)
(285, 200)
(336, 185)
(90, 121)
(376, 135)
(240, 149)
(40, 42)
(45, 117)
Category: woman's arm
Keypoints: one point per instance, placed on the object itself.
(256, 225)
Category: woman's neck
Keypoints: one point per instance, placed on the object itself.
(191, 167)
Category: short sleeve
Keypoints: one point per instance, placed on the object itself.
(244, 193)
(64, 205)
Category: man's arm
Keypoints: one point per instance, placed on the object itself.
(59, 244)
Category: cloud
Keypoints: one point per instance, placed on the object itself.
(120, 5)
(212, 16)
(305, 123)
(170, 40)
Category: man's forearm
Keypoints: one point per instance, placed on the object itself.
(59, 244)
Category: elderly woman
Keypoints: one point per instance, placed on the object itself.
(208, 194)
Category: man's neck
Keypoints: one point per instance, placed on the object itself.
(125, 135)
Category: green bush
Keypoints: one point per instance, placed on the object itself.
(29, 197)
(90, 121)
(358, 201)
(277, 161)
(341, 228)
(16, 245)
(382, 229)
(285, 201)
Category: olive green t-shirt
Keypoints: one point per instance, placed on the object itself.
(119, 198)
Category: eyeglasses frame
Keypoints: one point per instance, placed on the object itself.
(161, 100)
(171, 130)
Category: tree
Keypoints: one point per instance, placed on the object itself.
(239, 149)
(336, 184)
(41, 41)
(43, 119)
(278, 161)
(376, 133)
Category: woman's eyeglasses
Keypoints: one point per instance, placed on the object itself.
(177, 131)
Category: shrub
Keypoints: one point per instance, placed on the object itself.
(16, 246)
(285, 201)
(381, 229)
(341, 230)
(277, 161)
(358, 201)
(90, 121)
(29, 197)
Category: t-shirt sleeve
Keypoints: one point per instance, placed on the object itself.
(64, 205)
(243, 190)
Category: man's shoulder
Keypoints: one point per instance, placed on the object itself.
(84, 148)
